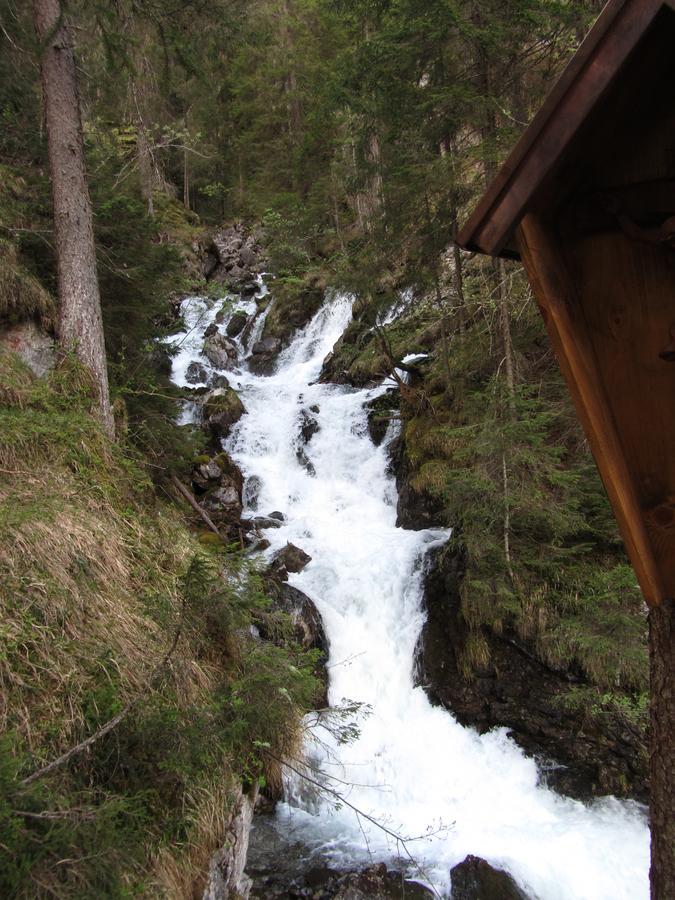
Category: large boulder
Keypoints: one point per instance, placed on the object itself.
(220, 351)
(223, 503)
(475, 879)
(289, 559)
(222, 408)
(237, 323)
(306, 619)
(263, 355)
(196, 373)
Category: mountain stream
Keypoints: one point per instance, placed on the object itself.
(440, 790)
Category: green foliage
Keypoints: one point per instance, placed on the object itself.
(108, 604)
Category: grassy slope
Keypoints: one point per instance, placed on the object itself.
(97, 578)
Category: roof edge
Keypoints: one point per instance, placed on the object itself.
(582, 84)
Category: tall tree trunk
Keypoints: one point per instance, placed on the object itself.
(662, 749)
(80, 324)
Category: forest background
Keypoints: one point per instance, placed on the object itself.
(357, 134)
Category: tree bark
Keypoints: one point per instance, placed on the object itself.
(80, 326)
(662, 749)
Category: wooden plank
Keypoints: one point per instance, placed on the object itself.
(581, 87)
(566, 327)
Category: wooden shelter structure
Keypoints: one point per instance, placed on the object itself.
(587, 202)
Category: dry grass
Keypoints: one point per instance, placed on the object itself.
(179, 873)
(21, 294)
(71, 569)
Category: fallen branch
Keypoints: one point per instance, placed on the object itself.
(111, 723)
(400, 840)
(187, 495)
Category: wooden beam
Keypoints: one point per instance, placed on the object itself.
(576, 95)
(560, 308)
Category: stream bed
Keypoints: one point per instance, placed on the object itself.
(412, 788)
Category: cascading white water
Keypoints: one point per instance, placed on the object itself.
(412, 768)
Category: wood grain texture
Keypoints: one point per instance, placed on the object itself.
(561, 309)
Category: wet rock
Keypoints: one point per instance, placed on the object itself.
(220, 351)
(380, 413)
(236, 324)
(252, 489)
(308, 426)
(196, 373)
(305, 461)
(306, 619)
(218, 381)
(378, 883)
(248, 291)
(266, 345)
(280, 871)
(259, 522)
(210, 330)
(288, 559)
(223, 312)
(263, 355)
(222, 408)
(277, 515)
(475, 879)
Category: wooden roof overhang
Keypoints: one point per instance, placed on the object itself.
(587, 201)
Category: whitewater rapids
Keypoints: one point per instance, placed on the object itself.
(413, 768)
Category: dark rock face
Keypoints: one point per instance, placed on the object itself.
(236, 324)
(218, 381)
(220, 351)
(263, 356)
(475, 879)
(266, 345)
(380, 412)
(308, 426)
(415, 509)
(516, 690)
(307, 625)
(196, 373)
(289, 559)
(223, 502)
(238, 257)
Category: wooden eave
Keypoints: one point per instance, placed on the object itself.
(538, 155)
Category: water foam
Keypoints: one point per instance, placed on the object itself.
(413, 768)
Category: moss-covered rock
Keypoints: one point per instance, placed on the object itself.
(222, 408)
(295, 302)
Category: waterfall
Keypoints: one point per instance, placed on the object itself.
(412, 768)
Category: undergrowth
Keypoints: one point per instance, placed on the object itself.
(98, 582)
